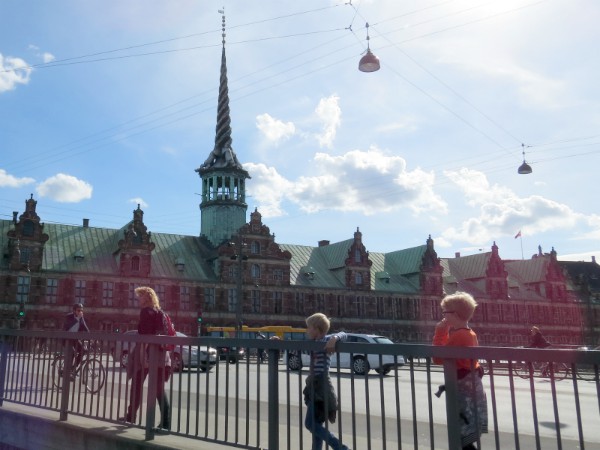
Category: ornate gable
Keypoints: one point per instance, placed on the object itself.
(27, 239)
(136, 248)
(496, 282)
(430, 274)
(556, 286)
(358, 265)
(262, 260)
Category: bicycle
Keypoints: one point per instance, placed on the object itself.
(90, 370)
(540, 369)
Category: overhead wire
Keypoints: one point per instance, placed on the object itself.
(283, 82)
(374, 26)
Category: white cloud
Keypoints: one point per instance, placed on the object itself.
(329, 112)
(65, 188)
(48, 57)
(502, 213)
(268, 189)
(351, 183)
(7, 180)
(138, 201)
(13, 71)
(274, 130)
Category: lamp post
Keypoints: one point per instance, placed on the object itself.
(240, 258)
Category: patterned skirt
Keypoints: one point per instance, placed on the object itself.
(472, 403)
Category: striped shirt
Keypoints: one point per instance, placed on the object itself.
(320, 360)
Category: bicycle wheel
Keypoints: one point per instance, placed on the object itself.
(586, 372)
(93, 375)
(560, 370)
(521, 369)
(58, 366)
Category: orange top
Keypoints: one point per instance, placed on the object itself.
(461, 337)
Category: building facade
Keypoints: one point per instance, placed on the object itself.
(235, 273)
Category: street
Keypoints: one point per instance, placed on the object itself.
(230, 403)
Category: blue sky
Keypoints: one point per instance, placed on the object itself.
(107, 104)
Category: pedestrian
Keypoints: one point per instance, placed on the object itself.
(537, 339)
(262, 353)
(453, 330)
(137, 364)
(75, 323)
(319, 394)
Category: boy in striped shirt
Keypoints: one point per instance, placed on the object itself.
(319, 394)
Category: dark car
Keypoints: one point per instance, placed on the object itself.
(231, 354)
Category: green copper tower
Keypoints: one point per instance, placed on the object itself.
(223, 207)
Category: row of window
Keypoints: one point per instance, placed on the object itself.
(107, 298)
(255, 272)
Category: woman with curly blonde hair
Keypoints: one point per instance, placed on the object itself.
(137, 367)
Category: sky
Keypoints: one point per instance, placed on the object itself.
(108, 104)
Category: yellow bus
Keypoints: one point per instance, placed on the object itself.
(281, 331)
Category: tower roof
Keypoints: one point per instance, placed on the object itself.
(222, 155)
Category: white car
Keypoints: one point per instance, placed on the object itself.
(360, 363)
(182, 357)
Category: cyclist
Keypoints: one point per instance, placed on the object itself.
(537, 339)
(75, 323)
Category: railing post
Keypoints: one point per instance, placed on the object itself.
(66, 378)
(273, 379)
(3, 365)
(452, 418)
(152, 380)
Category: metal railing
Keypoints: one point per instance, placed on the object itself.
(537, 399)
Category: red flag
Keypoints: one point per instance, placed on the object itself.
(518, 235)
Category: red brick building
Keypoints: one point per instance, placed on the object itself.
(45, 268)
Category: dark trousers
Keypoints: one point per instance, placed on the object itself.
(137, 384)
(78, 352)
(319, 432)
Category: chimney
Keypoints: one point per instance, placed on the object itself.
(323, 243)
(593, 259)
(86, 223)
(457, 254)
(15, 214)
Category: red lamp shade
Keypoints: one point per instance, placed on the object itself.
(369, 62)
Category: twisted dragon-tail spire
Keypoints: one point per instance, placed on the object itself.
(222, 154)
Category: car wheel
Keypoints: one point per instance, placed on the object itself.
(232, 360)
(294, 362)
(124, 358)
(360, 365)
(176, 362)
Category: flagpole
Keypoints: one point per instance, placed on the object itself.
(521, 239)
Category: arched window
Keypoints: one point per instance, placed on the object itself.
(358, 278)
(255, 247)
(255, 271)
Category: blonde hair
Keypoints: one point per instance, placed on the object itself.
(319, 321)
(148, 297)
(462, 303)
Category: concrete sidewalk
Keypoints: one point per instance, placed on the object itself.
(27, 428)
